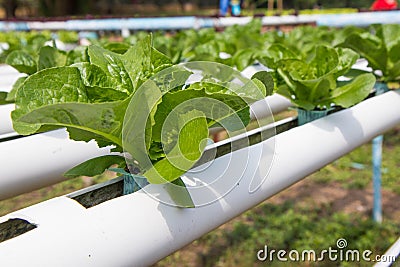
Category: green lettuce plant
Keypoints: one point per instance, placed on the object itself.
(91, 99)
(30, 63)
(312, 83)
(381, 47)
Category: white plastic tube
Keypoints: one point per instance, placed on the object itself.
(390, 255)
(136, 230)
(5, 119)
(277, 103)
(7, 70)
(39, 160)
(8, 76)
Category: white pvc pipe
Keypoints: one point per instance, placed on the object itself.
(277, 103)
(390, 255)
(8, 76)
(5, 119)
(264, 108)
(7, 70)
(8, 136)
(136, 230)
(36, 161)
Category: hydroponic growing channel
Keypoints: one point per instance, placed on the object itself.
(312, 76)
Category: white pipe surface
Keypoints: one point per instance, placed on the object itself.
(36, 161)
(5, 119)
(8, 136)
(137, 230)
(8, 76)
(390, 255)
(7, 70)
(276, 103)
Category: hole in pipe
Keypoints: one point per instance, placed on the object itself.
(97, 194)
(14, 227)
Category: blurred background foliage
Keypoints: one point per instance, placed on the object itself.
(55, 8)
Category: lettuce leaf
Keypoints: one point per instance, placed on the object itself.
(50, 57)
(95, 166)
(91, 100)
(3, 98)
(381, 47)
(312, 83)
(22, 61)
(15, 87)
(353, 92)
(188, 144)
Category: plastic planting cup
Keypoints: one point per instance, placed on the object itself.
(380, 88)
(305, 116)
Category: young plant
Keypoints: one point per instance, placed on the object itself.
(30, 63)
(312, 83)
(127, 101)
(381, 47)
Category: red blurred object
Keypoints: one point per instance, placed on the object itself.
(384, 5)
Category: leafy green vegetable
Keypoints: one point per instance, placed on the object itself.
(67, 96)
(22, 61)
(58, 97)
(191, 129)
(382, 49)
(3, 98)
(112, 64)
(102, 120)
(51, 57)
(96, 166)
(30, 63)
(94, 91)
(179, 194)
(77, 55)
(91, 99)
(49, 86)
(16, 86)
(119, 48)
(68, 36)
(354, 92)
(312, 83)
(265, 81)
